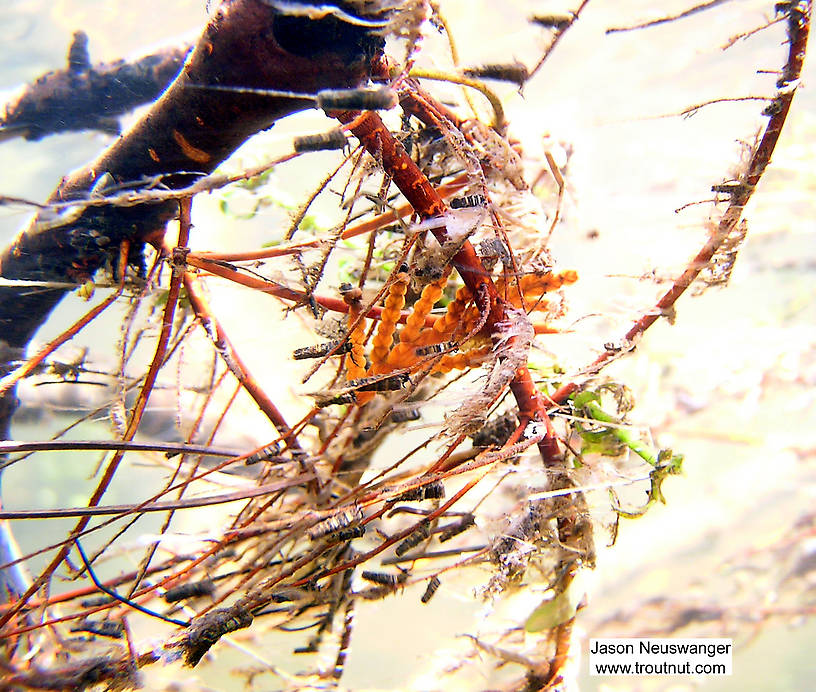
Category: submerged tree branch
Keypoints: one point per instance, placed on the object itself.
(88, 97)
(304, 526)
(184, 136)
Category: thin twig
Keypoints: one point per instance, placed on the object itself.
(110, 592)
(173, 448)
(231, 358)
(669, 18)
(121, 510)
(558, 34)
(798, 30)
(133, 424)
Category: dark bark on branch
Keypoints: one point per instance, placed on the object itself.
(86, 97)
(76, 675)
(187, 133)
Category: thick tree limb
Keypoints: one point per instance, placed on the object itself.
(187, 133)
(86, 97)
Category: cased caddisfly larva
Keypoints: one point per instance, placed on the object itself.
(103, 628)
(468, 201)
(348, 534)
(422, 532)
(333, 524)
(384, 578)
(345, 641)
(377, 98)
(409, 495)
(333, 139)
(192, 590)
(288, 594)
(118, 417)
(78, 58)
(456, 528)
(496, 432)
(345, 398)
(380, 384)
(774, 107)
(375, 593)
(553, 21)
(730, 188)
(494, 248)
(431, 491)
(320, 350)
(433, 349)
(430, 590)
(263, 454)
(516, 72)
(405, 415)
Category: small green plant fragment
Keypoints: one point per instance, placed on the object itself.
(610, 440)
(311, 224)
(613, 439)
(561, 608)
(257, 181)
(551, 613)
(183, 301)
(347, 272)
(254, 194)
(668, 464)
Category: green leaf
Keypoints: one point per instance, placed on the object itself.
(551, 613)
